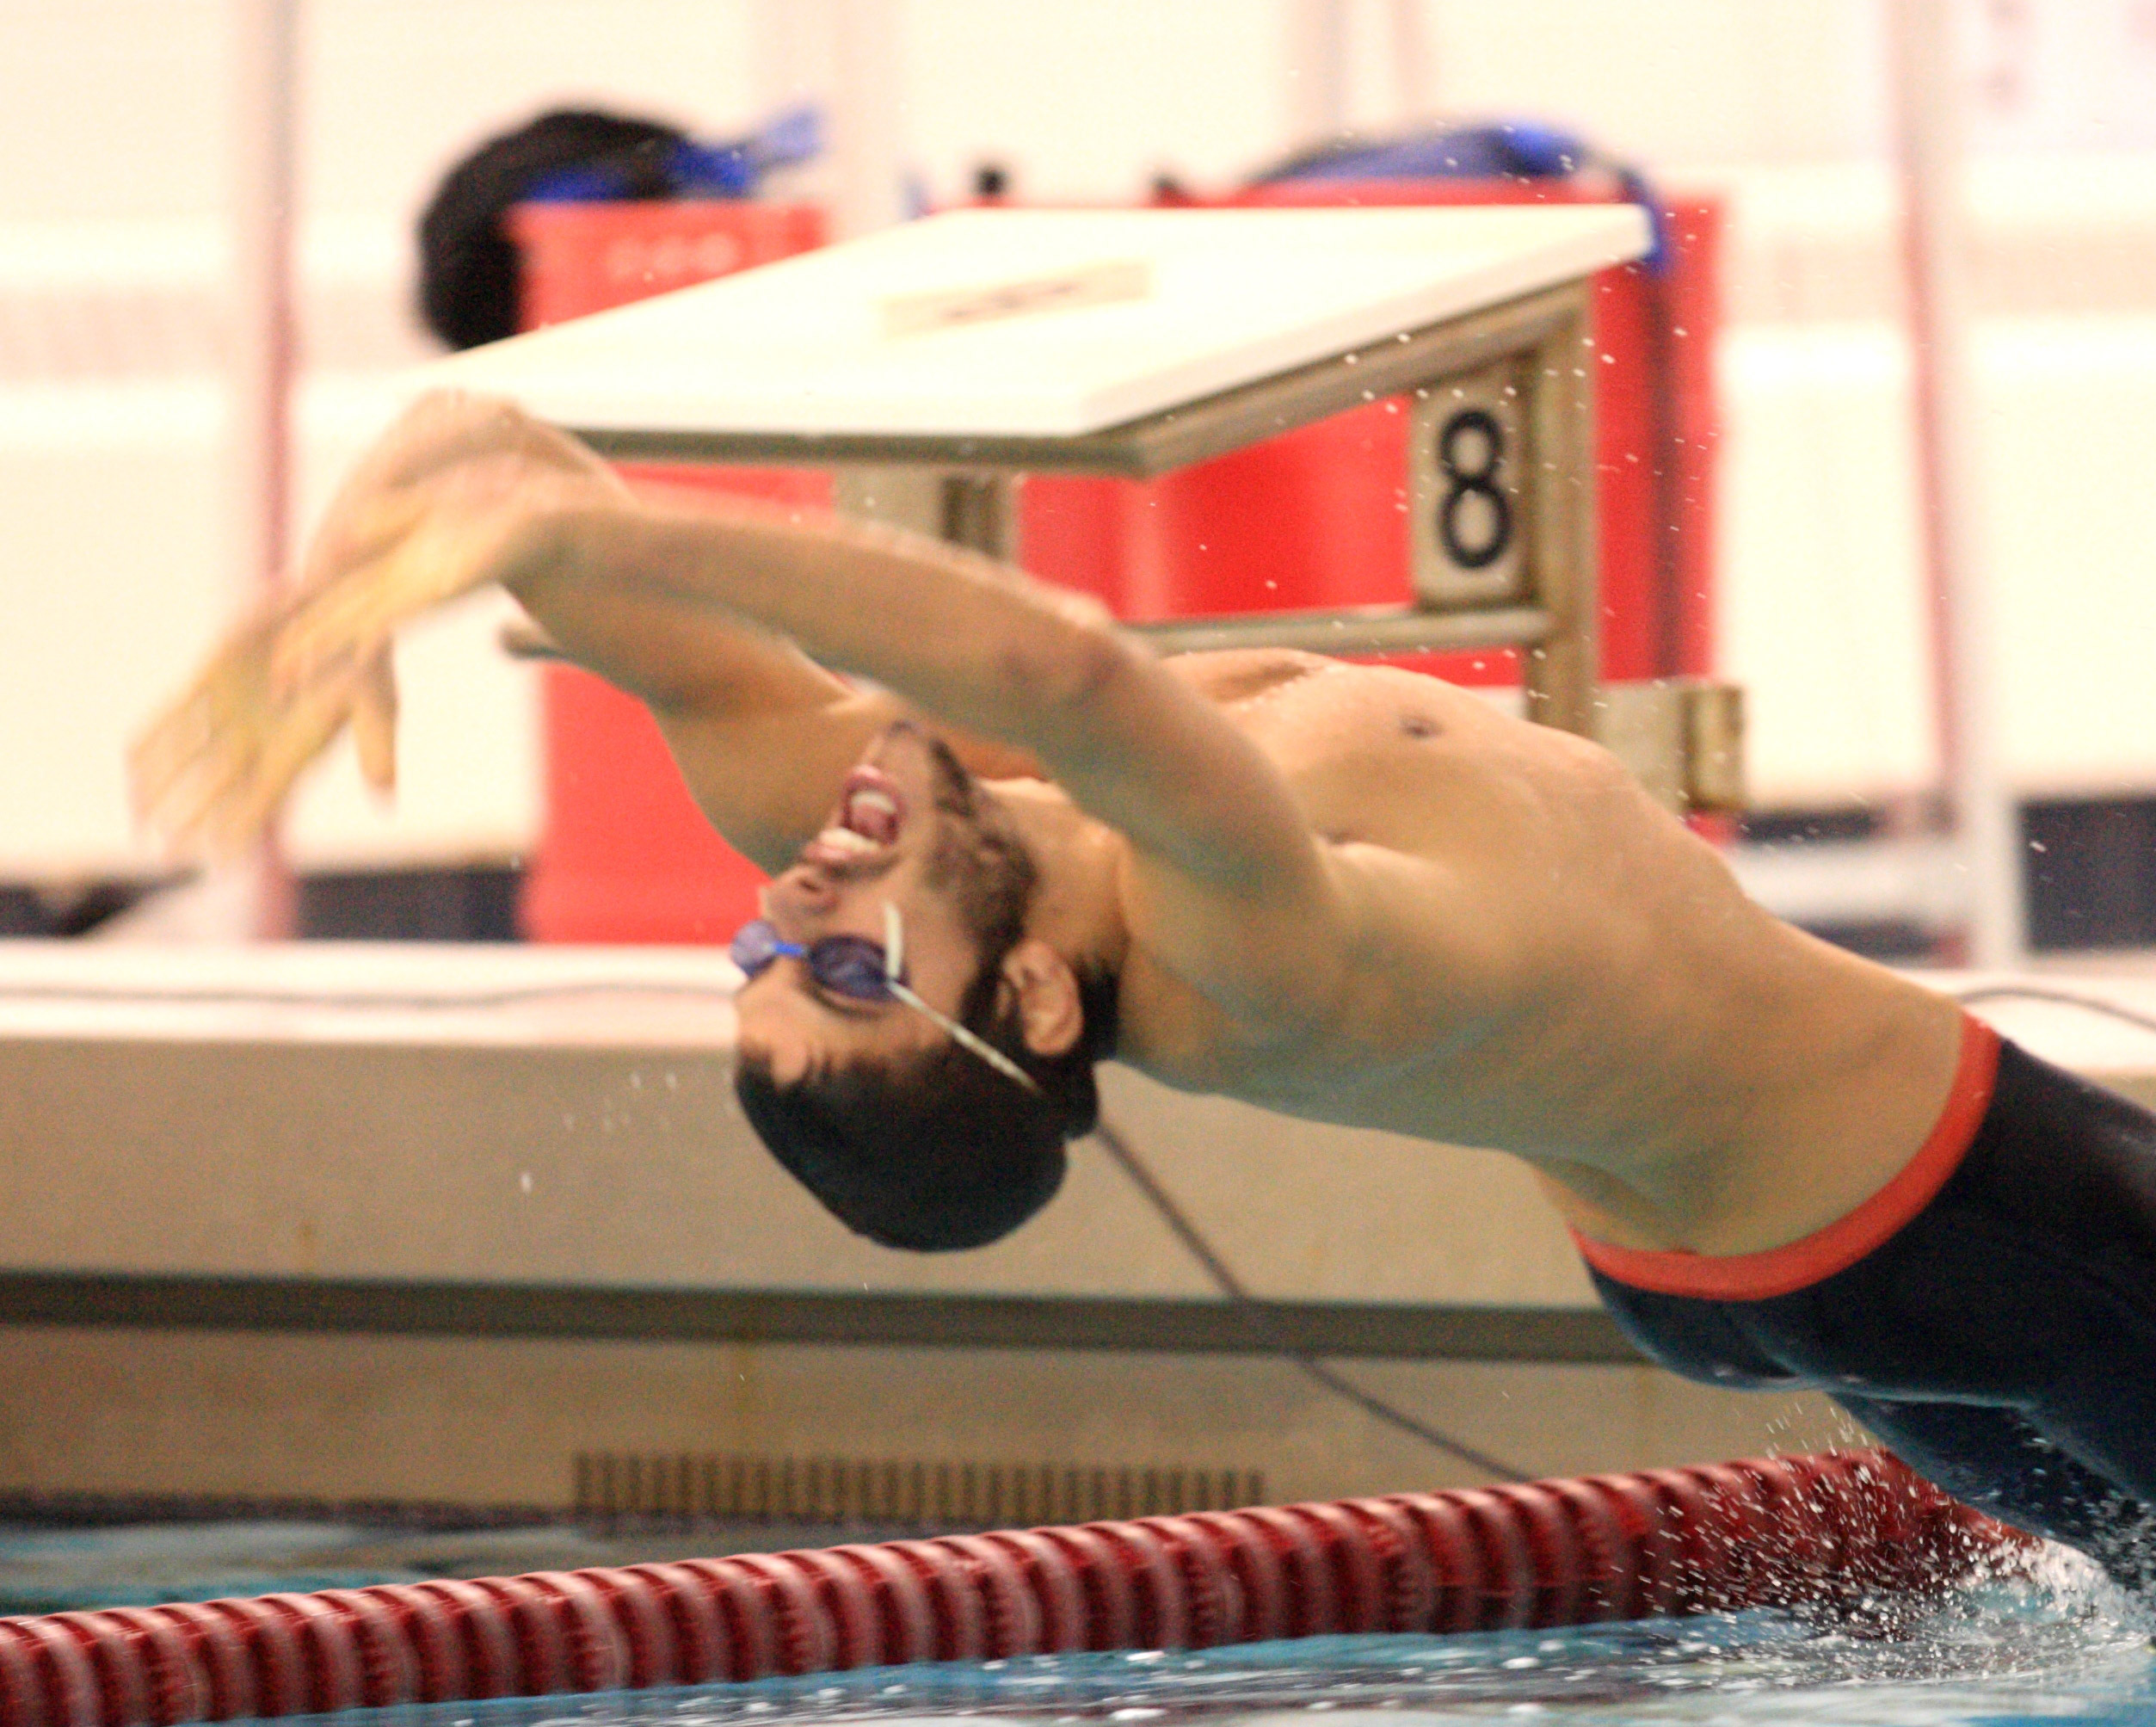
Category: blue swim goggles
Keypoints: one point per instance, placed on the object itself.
(863, 971)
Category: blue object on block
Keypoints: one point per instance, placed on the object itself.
(1501, 149)
(688, 168)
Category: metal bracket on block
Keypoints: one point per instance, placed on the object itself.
(975, 508)
(1682, 738)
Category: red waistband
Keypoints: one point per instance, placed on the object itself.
(1782, 1270)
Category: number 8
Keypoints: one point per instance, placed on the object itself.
(1479, 481)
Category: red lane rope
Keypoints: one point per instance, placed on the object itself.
(1763, 1532)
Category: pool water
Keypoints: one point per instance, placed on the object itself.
(2065, 1647)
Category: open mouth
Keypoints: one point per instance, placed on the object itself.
(870, 816)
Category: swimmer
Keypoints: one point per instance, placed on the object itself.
(1024, 844)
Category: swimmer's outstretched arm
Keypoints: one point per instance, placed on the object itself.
(1227, 888)
(763, 735)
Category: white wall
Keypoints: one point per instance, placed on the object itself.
(119, 108)
(116, 128)
(1819, 601)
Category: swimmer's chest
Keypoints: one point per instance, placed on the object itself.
(1373, 754)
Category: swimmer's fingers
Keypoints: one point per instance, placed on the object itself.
(335, 633)
(187, 807)
(374, 723)
(161, 754)
(236, 809)
(219, 768)
(224, 753)
(327, 615)
(451, 550)
(190, 809)
(191, 822)
(230, 691)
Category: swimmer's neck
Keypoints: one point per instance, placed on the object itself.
(1076, 907)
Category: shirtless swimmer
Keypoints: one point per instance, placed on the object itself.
(1347, 894)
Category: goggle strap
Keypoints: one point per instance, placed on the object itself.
(965, 1039)
(893, 944)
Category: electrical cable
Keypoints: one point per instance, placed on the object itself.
(2066, 998)
(1194, 1242)
(454, 999)
(446, 1001)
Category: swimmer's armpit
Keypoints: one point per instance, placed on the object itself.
(524, 640)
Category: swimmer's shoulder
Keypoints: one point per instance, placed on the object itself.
(1228, 675)
(1231, 675)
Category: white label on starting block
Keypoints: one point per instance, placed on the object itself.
(1100, 284)
(1469, 493)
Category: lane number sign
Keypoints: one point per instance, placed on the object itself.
(1467, 492)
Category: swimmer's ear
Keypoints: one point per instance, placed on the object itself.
(1051, 1014)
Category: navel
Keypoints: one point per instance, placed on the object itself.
(1420, 725)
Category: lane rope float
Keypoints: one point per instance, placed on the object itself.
(1845, 1528)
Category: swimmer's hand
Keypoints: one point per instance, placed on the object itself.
(209, 774)
(461, 493)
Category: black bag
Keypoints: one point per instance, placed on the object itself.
(468, 269)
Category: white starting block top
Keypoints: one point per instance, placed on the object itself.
(1037, 323)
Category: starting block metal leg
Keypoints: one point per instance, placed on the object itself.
(1561, 668)
(968, 507)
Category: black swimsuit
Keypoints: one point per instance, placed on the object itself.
(1991, 1313)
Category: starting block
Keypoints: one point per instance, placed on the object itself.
(934, 364)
